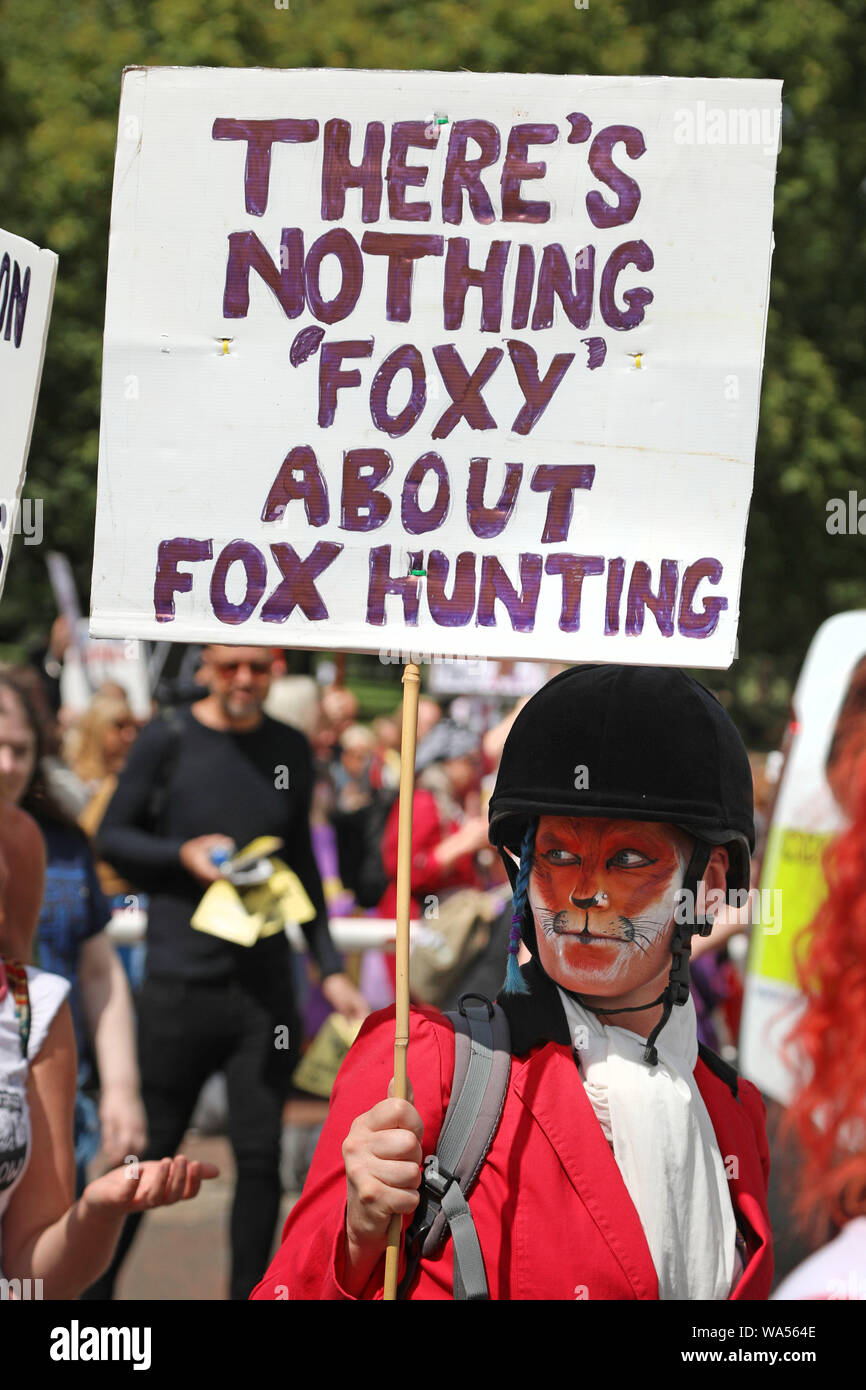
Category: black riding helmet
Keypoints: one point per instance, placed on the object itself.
(632, 743)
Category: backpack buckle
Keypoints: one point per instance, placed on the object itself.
(437, 1179)
(482, 999)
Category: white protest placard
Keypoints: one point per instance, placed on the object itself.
(27, 276)
(98, 661)
(447, 363)
(91, 662)
(508, 679)
(808, 815)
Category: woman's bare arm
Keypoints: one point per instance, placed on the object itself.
(47, 1188)
(108, 1010)
(46, 1235)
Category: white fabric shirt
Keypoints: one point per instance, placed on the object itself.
(47, 993)
(663, 1140)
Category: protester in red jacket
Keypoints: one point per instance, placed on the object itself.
(627, 1163)
(444, 841)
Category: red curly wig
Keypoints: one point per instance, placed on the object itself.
(828, 1113)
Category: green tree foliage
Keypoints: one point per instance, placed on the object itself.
(60, 68)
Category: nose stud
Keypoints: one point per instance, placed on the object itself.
(598, 899)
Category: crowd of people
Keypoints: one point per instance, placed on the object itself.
(106, 1049)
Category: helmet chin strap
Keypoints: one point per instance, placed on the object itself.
(676, 990)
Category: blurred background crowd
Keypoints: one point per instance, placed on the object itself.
(72, 711)
(61, 763)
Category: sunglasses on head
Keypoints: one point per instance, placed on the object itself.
(231, 668)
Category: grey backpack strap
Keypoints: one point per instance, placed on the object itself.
(470, 1278)
(482, 1065)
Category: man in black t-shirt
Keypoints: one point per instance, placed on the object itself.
(221, 773)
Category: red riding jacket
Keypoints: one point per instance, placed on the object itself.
(552, 1212)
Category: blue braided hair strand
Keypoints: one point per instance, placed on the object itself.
(514, 981)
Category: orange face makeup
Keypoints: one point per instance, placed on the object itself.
(603, 894)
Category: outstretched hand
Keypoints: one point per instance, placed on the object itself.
(139, 1186)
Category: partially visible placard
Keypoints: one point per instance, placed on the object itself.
(506, 679)
(27, 276)
(807, 816)
(91, 662)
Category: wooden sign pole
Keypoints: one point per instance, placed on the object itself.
(411, 688)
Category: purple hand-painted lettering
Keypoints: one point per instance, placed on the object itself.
(256, 570)
(630, 253)
(260, 137)
(338, 172)
(537, 391)
(705, 622)
(615, 577)
(554, 278)
(403, 249)
(517, 168)
(416, 521)
(305, 343)
(573, 569)
(332, 377)
(640, 597)
(464, 389)
(459, 275)
(364, 508)
(455, 611)
(340, 243)
(286, 281)
(462, 173)
(495, 584)
(298, 587)
(402, 358)
(601, 213)
(560, 480)
(523, 287)
(309, 485)
(382, 582)
(486, 522)
(169, 580)
(406, 135)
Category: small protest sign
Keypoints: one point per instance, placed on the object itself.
(27, 276)
(443, 362)
(90, 663)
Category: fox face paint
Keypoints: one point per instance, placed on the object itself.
(603, 894)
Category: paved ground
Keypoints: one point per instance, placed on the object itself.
(182, 1252)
